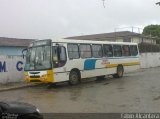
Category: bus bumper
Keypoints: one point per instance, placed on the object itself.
(39, 76)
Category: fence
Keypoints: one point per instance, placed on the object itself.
(146, 47)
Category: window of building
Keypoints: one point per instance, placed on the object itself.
(126, 39)
(117, 50)
(126, 50)
(108, 50)
(85, 51)
(73, 51)
(133, 50)
(97, 51)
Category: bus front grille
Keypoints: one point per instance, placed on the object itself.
(34, 76)
(35, 81)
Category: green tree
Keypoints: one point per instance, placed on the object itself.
(152, 30)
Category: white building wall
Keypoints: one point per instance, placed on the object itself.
(149, 60)
(119, 40)
(136, 40)
(11, 69)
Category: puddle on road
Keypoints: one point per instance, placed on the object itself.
(157, 98)
(60, 93)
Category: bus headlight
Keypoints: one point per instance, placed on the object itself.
(44, 77)
(27, 77)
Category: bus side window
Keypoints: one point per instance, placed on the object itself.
(85, 51)
(117, 50)
(73, 51)
(54, 56)
(59, 57)
(108, 50)
(126, 50)
(134, 50)
(97, 51)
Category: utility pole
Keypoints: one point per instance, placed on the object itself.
(103, 3)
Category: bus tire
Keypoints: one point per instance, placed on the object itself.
(120, 72)
(74, 78)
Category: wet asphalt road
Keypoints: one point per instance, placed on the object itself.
(135, 92)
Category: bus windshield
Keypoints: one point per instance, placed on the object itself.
(38, 58)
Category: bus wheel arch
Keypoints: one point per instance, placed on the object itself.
(120, 71)
(74, 76)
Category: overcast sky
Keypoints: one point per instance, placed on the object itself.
(45, 19)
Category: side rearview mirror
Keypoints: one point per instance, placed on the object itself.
(24, 50)
(59, 49)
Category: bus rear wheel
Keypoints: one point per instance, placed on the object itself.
(120, 72)
(74, 78)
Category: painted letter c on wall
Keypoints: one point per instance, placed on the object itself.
(19, 66)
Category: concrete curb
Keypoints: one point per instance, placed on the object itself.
(18, 87)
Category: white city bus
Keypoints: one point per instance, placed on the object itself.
(51, 61)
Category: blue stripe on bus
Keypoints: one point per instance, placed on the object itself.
(89, 64)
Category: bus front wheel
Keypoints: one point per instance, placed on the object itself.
(120, 72)
(74, 78)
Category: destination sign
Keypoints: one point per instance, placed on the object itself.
(40, 42)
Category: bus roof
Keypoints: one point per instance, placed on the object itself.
(90, 42)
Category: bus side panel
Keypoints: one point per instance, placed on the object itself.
(59, 77)
(62, 73)
(129, 64)
(95, 67)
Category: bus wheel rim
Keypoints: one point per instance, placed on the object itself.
(120, 72)
(74, 78)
